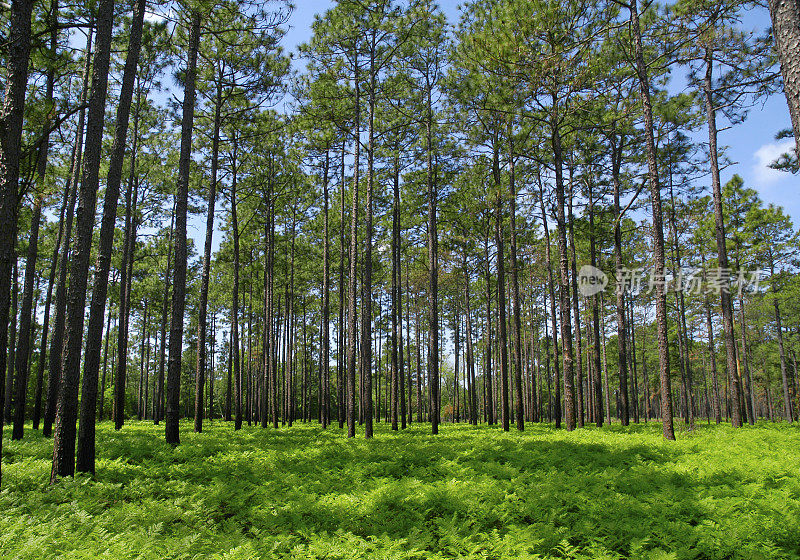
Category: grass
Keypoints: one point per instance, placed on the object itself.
(306, 493)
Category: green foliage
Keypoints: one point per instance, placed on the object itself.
(468, 493)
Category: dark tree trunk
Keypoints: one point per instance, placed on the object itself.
(57, 342)
(40, 171)
(397, 383)
(324, 388)
(551, 292)
(518, 403)
(501, 293)
(575, 307)
(25, 330)
(11, 119)
(623, 383)
(237, 366)
(12, 346)
(181, 207)
(352, 276)
(101, 404)
(94, 336)
(159, 394)
(67, 403)
(616, 164)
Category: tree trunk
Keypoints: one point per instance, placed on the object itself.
(67, 403)
(11, 120)
(25, 334)
(159, 395)
(181, 206)
(722, 251)
(786, 30)
(202, 319)
(518, 404)
(88, 410)
(563, 292)
(501, 293)
(57, 342)
(551, 290)
(658, 226)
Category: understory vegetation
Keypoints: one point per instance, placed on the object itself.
(470, 492)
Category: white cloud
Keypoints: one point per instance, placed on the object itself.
(767, 154)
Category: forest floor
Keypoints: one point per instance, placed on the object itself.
(302, 492)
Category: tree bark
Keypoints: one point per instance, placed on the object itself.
(67, 404)
(11, 120)
(25, 327)
(786, 30)
(94, 336)
(722, 251)
(181, 206)
(658, 227)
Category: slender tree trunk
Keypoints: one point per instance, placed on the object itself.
(501, 294)
(658, 226)
(101, 404)
(722, 252)
(616, 164)
(206, 273)
(556, 412)
(159, 395)
(433, 267)
(518, 403)
(56, 344)
(237, 365)
(41, 171)
(181, 207)
(25, 327)
(575, 307)
(564, 309)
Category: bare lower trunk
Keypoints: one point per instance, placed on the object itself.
(181, 207)
(67, 403)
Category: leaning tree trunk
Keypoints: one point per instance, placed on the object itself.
(181, 206)
(94, 337)
(658, 226)
(67, 404)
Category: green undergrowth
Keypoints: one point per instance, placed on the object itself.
(304, 492)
